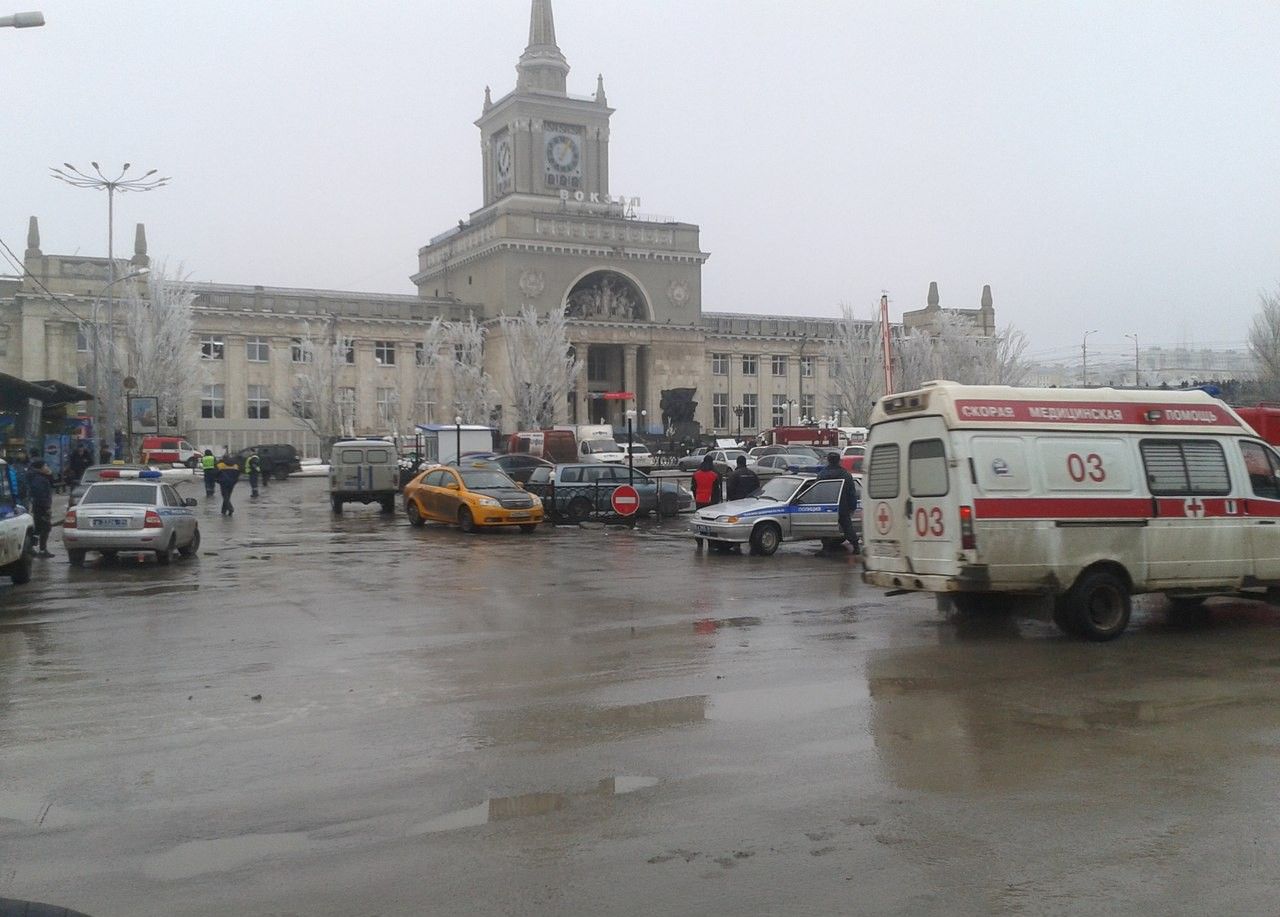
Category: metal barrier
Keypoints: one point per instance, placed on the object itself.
(582, 501)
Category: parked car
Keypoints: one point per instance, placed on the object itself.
(363, 471)
(93, 474)
(851, 458)
(471, 498)
(759, 452)
(725, 460)
(517, 466)
(787, 508)
(572, 493)
(133, 514)
(278, 459)
(17, 532)
(790, 463)
(641, 457)
(169, 450)
(600, 450)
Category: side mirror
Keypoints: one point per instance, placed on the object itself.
(190, 501)
(519, 485)
(452, 485)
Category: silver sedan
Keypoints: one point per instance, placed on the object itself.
(134, 515)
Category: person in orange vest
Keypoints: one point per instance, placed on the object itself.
(706, 484)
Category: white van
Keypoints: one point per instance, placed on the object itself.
(364, 471)
(1085, 495)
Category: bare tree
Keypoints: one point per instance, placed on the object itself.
(159, 349)
(856, 355)
(1264, 343)
(542, 368)
(431, 361)
(472, 386)
(314, 399)
(951, 350)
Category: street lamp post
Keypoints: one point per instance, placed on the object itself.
(631, 459)
(737, 411)
(457, 440)
(1084, 359)
(1137, 369)
(22, 20)
(78, 179)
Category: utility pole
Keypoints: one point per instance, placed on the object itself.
(1084, 359)
(1137, 368)
(885, 342)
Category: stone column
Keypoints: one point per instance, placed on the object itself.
(630, 352)
(236, 359)
(580, 385)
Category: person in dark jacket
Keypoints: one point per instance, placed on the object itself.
(80, 460)
(104, 454)
(228, 474)
(706, 484)
(40, 487)
(743, 482)
(848, 496)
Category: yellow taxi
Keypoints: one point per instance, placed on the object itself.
(476, 497)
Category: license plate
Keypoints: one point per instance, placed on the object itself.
(703, 530)
(519, 516)
(110, 523)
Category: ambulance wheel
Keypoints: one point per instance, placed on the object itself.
(1099, 605)
(578, 510)
(192, 547)
(466, 521)
(414, 514)
(765, 539)
(20, 570)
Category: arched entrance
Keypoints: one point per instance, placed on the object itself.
(606, 295)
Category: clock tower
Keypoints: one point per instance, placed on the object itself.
(537, 140)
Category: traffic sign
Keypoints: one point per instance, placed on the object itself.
(625, 500)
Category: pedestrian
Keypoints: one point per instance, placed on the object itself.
(743, 482)
(209, 465)
(706, 483)
(266, 465)
(104, 454)
(848, 497)
(40, 486)
(253, 467)
(228, 474)
(79, 461)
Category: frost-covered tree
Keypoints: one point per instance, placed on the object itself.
(856, 355)
(431, 361)
(541, 366)
(158, 348)
(951, 350)
(315, 399)
(472, 386)
(1264, 343)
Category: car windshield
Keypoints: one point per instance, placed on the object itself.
(486, 480)
(134, 494)
(731, 455)
(637, 449)
(798, 458)
(779, 489)
(602, 445)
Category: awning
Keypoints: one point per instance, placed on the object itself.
(63, 393)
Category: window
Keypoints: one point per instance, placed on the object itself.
(1191, 466)
(258, 405)
(300, 351)
(419, 354)
(882, 479)
(377, 455)
(434, 479)
(779, 410)
(388, 402)
(719, 364)
(258, 350)
(824, 493)
(211, 347)
(540, 475)
(384, 353)
(720, 411)
(459, 353)
(750, 408)
(779, 364)
(806, 367)
(749, 364)
(927, 468)
(349, 351)
(82, 341)
(213, 401)
(807, 406)
(1262, 465)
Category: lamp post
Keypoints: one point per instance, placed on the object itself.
(457, 440)
(737, 412)
(78, 179)
(1084, 359)
(631, 459)
(99, 420)
(1136, 367)
(22, 20)
(793, 408)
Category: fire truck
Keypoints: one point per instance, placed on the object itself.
(827, 437)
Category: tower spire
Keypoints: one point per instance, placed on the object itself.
(542, 66)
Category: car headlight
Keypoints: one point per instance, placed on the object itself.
(729, 519)
(487, 501)
(537, 501)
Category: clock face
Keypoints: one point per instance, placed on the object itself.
(504, 157)
(563, 154)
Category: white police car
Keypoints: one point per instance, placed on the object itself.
(790, 507)
(17, 532)
(131, 512)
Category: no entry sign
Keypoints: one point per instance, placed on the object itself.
(625, 500)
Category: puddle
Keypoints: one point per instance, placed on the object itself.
(764, 704)
(222, 854)
(583, 723)
(504, 808)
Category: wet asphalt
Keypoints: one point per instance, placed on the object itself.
(347, 716)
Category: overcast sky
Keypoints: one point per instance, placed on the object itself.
(1110, 166)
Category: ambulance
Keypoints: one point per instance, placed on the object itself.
(1088, 496)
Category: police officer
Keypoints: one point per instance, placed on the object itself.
(40, 486)
(253, 468)
(743, 482)
(848, 496)
(210, 467)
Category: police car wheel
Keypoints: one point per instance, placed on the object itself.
(75, 556)
(194, 546)
(164, 557)
(20, 570)
(765, 539)
(1099, 605)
